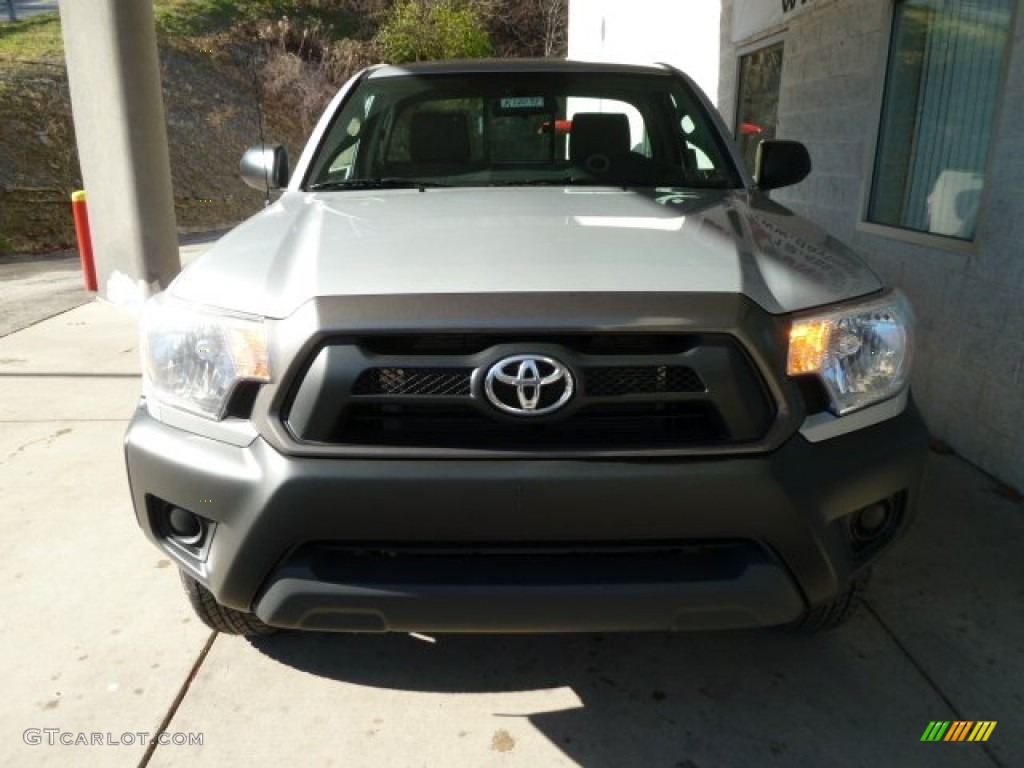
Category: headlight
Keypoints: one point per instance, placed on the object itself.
(192, 357)
(862, 353)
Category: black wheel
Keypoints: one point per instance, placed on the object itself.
(220, 617)
(835, 612)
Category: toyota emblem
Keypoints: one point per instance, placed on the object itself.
(528, 385)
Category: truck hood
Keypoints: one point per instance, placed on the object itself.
(512, 240)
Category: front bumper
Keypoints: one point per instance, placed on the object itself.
(525, 545)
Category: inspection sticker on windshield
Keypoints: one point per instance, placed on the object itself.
(522, 102)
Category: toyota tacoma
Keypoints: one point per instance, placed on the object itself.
(522, 346)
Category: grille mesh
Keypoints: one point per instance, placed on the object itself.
(635, 380)
(414, 381)
(608, 381)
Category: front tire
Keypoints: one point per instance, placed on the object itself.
(836, 612)
(219, 617)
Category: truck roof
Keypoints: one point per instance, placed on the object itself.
(495, 66)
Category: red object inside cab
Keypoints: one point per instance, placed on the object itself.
(562, 127)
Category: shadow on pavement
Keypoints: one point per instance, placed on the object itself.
(730, 698)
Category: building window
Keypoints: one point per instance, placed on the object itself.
(757, 112)
(942, 84)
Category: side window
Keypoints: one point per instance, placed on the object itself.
(941, 90)
(698, 157)
(703, 158)
(338, 161)
(757, 113)
(341, 166)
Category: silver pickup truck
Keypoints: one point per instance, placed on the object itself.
(523, 347)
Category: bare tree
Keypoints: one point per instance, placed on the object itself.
(555, 14)
(527, 27)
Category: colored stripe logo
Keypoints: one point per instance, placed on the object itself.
(959, 730)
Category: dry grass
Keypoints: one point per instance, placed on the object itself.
(37, 37)
(303, 67)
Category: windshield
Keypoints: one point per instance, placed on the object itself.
(532, 128)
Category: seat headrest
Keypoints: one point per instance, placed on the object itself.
(439, 137)
(598, 133)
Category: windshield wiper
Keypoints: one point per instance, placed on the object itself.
(565, 181)
(386, 182)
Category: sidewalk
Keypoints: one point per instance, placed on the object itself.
(97, 636)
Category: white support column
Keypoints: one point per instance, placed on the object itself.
(117, 103)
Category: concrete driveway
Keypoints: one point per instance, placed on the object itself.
(34, 288)
(99, 644)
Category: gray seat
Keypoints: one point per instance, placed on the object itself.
(439, 137)
(598, 135)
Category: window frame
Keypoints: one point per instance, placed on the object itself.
(871, 146)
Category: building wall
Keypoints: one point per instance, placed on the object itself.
(683, 34)
(969, 370)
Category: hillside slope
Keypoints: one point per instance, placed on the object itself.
(211, 111)
(304, 49)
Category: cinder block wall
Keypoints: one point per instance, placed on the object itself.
(969, 371)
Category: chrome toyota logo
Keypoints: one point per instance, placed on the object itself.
(528, 385)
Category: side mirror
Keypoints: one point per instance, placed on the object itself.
(781, 163)
(265, 167)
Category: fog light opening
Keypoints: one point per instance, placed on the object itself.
(872, 522)
(185, 527)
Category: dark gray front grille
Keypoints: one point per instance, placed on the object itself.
(603, 381)
(414, 381)
(609, 381)
(657, 392)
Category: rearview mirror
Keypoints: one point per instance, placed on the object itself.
(780, 163)
(265, 167)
